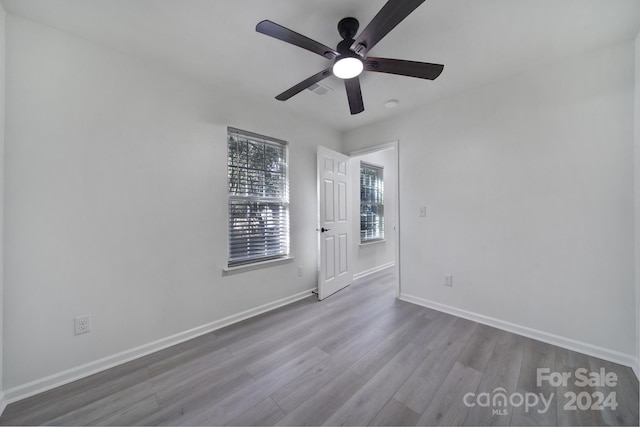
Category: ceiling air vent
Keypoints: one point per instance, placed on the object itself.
(319, 89)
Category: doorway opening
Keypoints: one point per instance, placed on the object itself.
(375, 211)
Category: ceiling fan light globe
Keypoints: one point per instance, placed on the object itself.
(347, 67)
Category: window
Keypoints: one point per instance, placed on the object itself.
(258, 198)
(371, 203)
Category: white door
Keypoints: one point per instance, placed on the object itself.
(334, 227)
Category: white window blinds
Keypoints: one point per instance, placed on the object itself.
(258, 198)
(371, 202)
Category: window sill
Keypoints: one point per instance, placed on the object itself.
(256, 265)
(372, 242)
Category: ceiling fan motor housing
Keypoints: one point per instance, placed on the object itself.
(348, 27)
(343, 48)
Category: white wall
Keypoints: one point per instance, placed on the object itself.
(116, 203)
(528, 184)
(2, 122)
(372, 256)
(637, 200)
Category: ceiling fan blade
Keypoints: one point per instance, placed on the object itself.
(391, 14)
(421, 70)
(304, 84)
(354, 94)
(286, 35)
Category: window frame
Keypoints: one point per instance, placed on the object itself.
(282, 200)
(379, 170)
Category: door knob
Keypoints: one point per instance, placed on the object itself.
(324, 229)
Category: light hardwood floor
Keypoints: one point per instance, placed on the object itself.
(360, 357)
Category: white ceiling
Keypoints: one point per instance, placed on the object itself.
(214, 41)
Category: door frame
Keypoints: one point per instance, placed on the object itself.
(395, 145)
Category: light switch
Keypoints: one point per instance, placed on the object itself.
(422, 212)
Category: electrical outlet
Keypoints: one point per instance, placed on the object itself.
(300, 271)
(82, 324)
(448, 280)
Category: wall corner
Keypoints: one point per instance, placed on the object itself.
(636, 181)
(3, 55)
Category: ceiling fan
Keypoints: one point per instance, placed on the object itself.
(350, 58)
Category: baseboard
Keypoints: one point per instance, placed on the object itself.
(635, 369)
(47, 383)
(373, 270)
(568, 343)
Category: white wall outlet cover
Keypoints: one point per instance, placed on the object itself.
(82, 324)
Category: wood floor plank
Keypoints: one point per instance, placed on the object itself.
(368, 365)
(270, 360)
(189, 405)
(479, 348)
(167, 390)
(321, 405)
(207, 345)
(59, 401)
(265, 413)
(303, 387)
(365, 404)
(396, 314)
(244, 399)
(267, 333)
(350, 329)
(434, 329)
(447, 348)
(533, 417)
(273, 320)
(184, 378)
(416, 393)
(138, 396)
(306, 385)
(335, 334)
(268, 342)
(501, 375)
(568, 361)
(128, 415)
(397, 414)
(536, 355)
(447, 408)
(423, 385)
